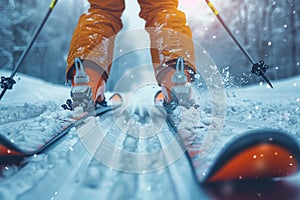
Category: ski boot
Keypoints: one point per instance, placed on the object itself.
(176, 85)
(87, 91)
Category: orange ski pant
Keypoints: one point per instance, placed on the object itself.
(93, 38)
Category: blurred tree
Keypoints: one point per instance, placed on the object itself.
(20, 20)
(294, 24)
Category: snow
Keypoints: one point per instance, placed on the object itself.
(33, 90)
(71, 170)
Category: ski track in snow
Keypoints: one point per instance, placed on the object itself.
(70, 172)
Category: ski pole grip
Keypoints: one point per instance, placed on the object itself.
(53, 3)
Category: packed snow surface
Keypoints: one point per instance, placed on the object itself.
(74, 169)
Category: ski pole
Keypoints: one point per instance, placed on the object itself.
(257, 68)
(8, 82)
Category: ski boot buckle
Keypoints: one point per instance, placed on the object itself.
(181, 91)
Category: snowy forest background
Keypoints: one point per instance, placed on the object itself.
(269, 29)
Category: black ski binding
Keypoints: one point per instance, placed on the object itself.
(101, 104)
(69, 104)
(7, 83)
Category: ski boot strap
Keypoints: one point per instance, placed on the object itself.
(80, 77)
(81, 92)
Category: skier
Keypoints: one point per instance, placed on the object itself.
(92, 43)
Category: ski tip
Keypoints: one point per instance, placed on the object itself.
(9, 153)
(260, 154)
(116, 99)
(158, 98)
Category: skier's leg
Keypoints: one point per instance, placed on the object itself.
(171, 38)
(92, 41)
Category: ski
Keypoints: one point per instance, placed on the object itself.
(11, 153)
(259, 164)
(276, 152)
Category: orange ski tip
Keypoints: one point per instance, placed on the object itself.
(4, 151)
(261, 161)
(159, 97)
(116, 99)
